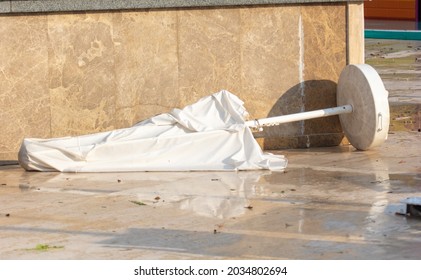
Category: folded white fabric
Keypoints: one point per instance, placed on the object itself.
(208, 135)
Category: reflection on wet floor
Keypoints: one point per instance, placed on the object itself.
(225, 194)
(304, 213)
(228, 197)
(328, 222)
(233, 194)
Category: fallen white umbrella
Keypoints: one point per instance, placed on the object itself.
(211, 134)
(208, 135)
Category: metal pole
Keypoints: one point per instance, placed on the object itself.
(300, 116)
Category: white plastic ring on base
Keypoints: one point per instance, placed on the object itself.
(361, 87)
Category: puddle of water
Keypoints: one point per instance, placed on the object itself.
(228, 194)
(305, 212)
(212, 194)
(302, 200)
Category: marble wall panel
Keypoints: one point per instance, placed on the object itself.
(81, 73)
(325, 41)
(270, 74)
(270, 57)
(209, 52)
(24, 99)
(146, 64)
(325, 55)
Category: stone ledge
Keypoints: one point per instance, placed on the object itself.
(35, 6)
(5, 7)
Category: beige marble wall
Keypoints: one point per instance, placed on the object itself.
(325, 57)
(146, 65)
(271, 66)
(24, 97)
(321, 51)
(82, 79)
(72, 74)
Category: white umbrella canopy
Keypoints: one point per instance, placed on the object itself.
(208, 135)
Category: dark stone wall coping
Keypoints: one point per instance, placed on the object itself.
(36, 6)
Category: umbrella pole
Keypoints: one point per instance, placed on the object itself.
(257, 123)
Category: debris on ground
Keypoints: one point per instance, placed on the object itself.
(411, 207)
